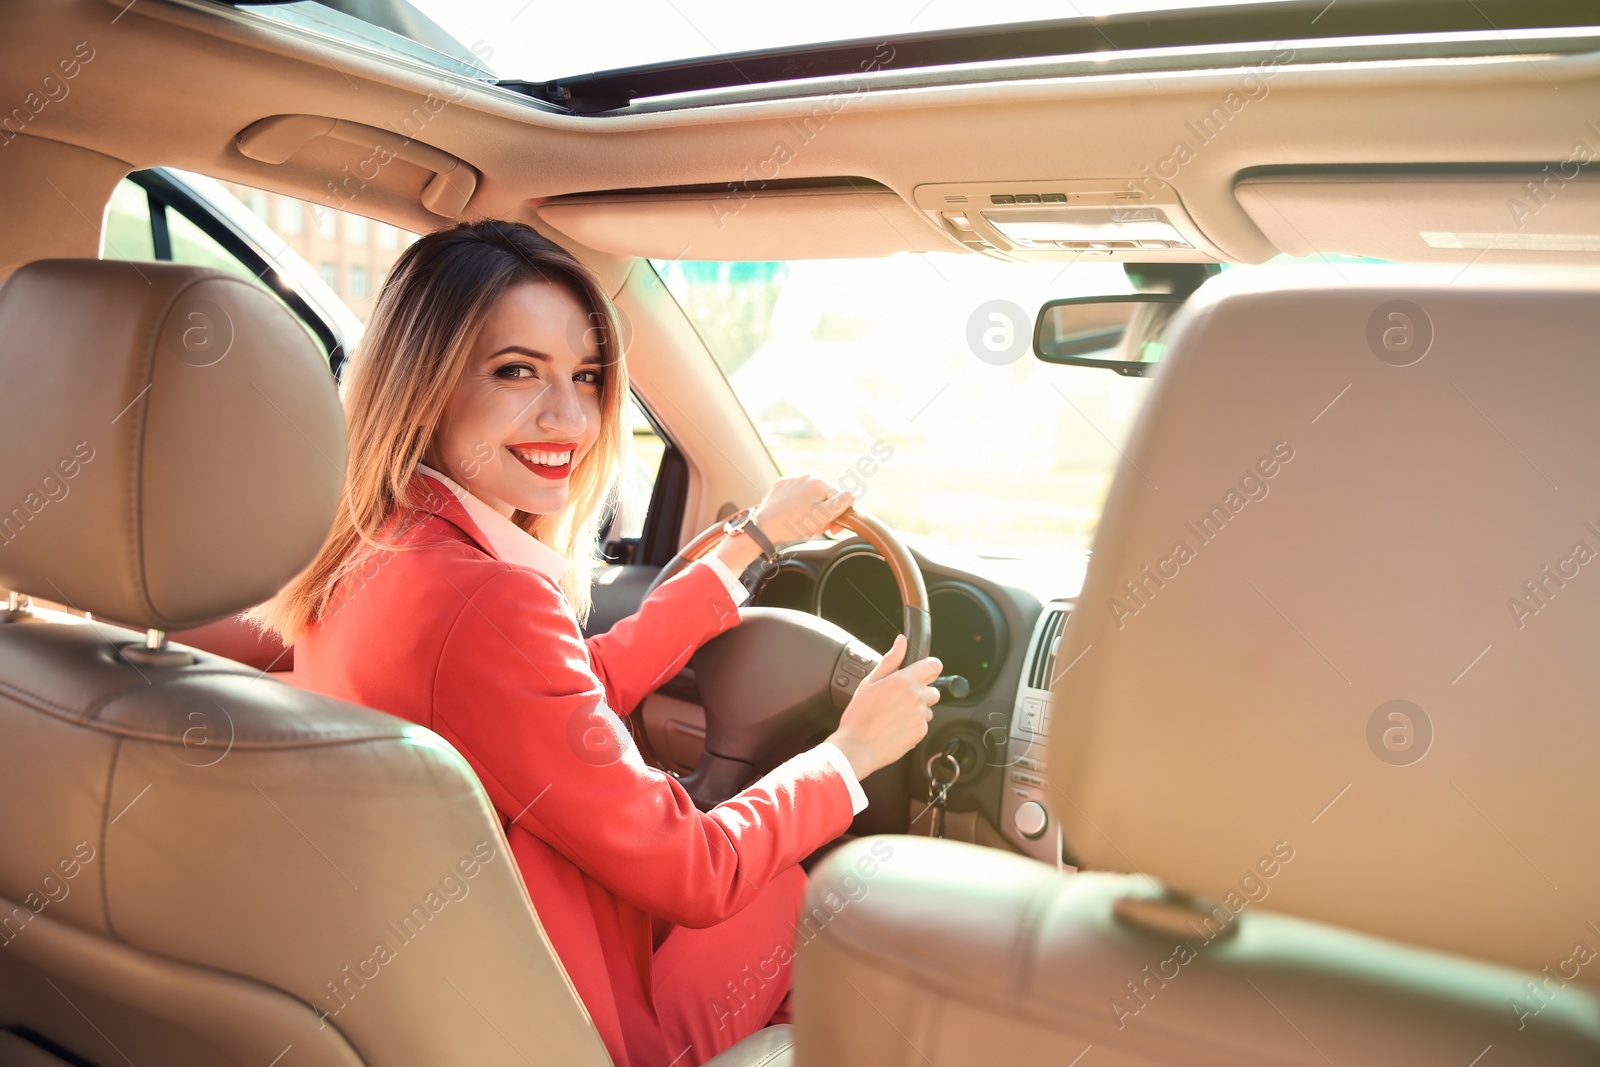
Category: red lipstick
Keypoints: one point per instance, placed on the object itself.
(528, 453)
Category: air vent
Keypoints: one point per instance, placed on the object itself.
(1044, 652)
(955, 200)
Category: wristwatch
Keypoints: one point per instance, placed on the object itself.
(744, 522)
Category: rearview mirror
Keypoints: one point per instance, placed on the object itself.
(1123, 333)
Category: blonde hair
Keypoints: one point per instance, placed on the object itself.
(429, 313)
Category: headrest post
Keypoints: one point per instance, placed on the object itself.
(18, 606)
(155, 652)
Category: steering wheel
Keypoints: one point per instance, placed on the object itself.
(778, 682)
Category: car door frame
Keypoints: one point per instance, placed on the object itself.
(243, 235)
(249, 240)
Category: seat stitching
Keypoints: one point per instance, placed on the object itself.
(105, 828)
(137, 427)
(69, 716)
(776, 1053)
(773, 1055)
(35, 698)
(94, 709)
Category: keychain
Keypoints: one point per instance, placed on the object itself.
(939, 788)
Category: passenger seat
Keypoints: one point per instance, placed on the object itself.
(1326, 742)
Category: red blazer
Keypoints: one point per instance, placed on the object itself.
(488, 654)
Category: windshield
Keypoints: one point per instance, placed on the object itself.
(911, 381)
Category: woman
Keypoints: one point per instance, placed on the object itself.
(485, 433)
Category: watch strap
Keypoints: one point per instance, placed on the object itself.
(769, 551)
(744, 522)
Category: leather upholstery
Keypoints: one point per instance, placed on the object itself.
(15, 1052)
(317, 851)
(771, 1046)
(174, 445)
(1379, 564)
(953, 953)
(1371, 509)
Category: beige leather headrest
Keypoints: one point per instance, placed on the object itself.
(1340, 636)
(173, 441)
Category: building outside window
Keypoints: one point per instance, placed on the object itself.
(341, 244)
(327, 222)
(291, 219)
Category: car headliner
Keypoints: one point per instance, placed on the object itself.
(174, 83)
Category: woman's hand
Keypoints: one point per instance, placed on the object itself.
(889, 712)
(800, 507)
(797, 508)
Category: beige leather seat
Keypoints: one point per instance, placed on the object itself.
(201, 865)
(1388, 487)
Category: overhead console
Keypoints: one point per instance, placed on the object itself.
(1134, 218)
(1549, 213)
(1139, 219)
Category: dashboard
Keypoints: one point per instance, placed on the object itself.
(1002, 639)
(856, 590)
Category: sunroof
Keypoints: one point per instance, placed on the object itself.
(541, 42)
(597, 58)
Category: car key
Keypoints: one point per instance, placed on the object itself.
(939, 787)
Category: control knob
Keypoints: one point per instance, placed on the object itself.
(1031, 819)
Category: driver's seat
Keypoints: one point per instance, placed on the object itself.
(201, 865)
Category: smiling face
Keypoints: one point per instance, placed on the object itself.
(527, 408)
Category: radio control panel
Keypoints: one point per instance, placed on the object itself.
(1028, 807)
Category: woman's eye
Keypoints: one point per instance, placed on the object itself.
(589, 377)
(516, 370)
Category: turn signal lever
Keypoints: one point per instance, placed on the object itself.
(856, 660)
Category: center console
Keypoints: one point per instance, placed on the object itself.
(1028, 806)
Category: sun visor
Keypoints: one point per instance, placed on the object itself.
(852, 218)
(1548, 214)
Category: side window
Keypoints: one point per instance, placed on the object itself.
(339, 245)
(192, 245)
(648, 511)
(139, 226)
(146, 223)
(128, 233)
(187, 218)
(641, 463)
